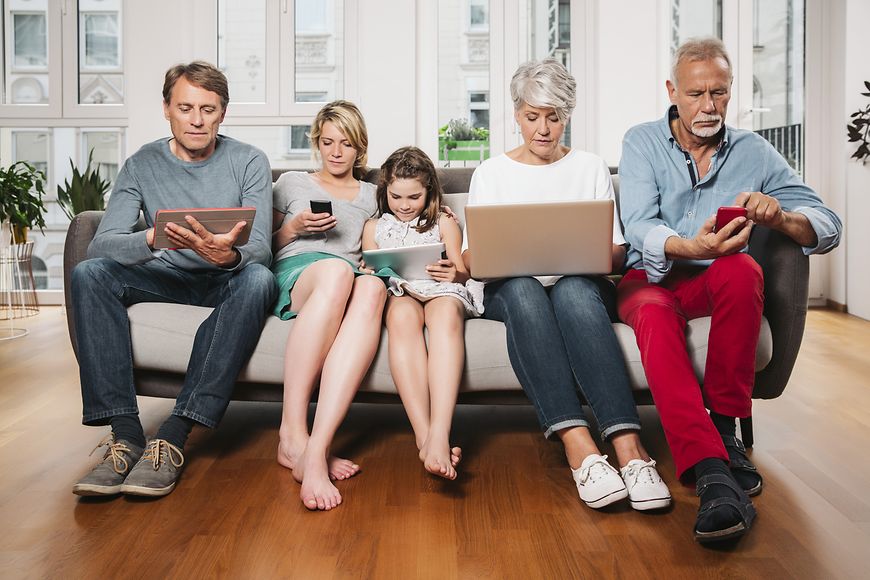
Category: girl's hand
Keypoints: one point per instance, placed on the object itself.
(365, 269)
(445, 271)
(307, 222)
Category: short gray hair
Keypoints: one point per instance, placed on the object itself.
(545, 84)
(699, 49)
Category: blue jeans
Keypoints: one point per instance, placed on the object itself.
(102, 289)
(559, 340)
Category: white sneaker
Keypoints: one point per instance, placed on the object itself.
(646, 490)
(598, 482)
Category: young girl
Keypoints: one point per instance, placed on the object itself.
(409, 201)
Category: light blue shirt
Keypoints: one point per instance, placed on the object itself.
(660, 198)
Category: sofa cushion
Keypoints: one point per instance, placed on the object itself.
(162, 337)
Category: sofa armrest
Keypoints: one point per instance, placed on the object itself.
(75, 249)
(786, 290)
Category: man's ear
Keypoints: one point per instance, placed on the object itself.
(165, 110)
(223, 114)
(672, 91)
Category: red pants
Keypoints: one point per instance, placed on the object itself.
(731, 290)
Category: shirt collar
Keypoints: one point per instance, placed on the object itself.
(672, 114)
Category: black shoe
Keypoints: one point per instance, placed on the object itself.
(738, 511)
(742, 468)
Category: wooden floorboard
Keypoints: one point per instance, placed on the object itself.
(512, 513)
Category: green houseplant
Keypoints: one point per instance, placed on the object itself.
(859, 130)
(87, 190)
(458, 140)
(22, 188)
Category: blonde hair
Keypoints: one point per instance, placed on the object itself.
(545, 84)
(699, 49)
(412, 163)
(348, 119)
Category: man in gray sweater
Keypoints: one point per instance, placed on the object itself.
(195, 167)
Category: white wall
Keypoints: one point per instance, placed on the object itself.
(857, 183)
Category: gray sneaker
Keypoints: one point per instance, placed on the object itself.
(106, 478)
(157, 471)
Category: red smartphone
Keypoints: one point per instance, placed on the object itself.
(726, 214)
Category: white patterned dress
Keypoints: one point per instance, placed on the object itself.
(390, 232)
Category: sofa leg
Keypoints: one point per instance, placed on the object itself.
(746, 431)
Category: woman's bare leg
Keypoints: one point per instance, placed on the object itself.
(320, 296)
(343, 370)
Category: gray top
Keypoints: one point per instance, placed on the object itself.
(293, 193)
(235, 175)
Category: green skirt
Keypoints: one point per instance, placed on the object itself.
(288, 270)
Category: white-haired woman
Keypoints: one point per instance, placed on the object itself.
(560, 339)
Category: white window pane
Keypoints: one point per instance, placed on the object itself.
(242, 48)
(319, 43)
(101, 72)
(23, 55)
(463, 82)
(691, 18)
(286, 146)
(106, 152)
(31, 49)
(778, 76)
(549, 36)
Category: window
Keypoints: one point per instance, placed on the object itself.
(478, 109)
(694, 18)
(242, 51)
(107, 151)
(32, 146)
(318, 51)
(102, 46)
(31, 44)
(478, 14)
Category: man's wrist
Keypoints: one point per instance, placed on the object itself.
(235, 260)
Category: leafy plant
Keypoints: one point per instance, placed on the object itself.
(22, 187)
(461, 130)
(87, 190)
(859, 129)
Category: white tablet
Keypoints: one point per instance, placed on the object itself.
(409, 262)
(217, 220)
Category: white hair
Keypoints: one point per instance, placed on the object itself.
(545, 84)
(699, 49)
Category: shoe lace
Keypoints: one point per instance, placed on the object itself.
(160, 451)
(597, 469)
(646, 472)
(116, 452)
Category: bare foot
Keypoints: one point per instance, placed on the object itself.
(439, 459)
(289, 453)
(317, 491)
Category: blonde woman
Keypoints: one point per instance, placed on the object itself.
(337, 308)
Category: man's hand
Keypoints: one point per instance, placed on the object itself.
(217, 249)
(707, 244)
(761, 209)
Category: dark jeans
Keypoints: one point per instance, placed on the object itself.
(560, 339)
(102, 289)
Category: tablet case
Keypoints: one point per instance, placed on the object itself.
(217, 220)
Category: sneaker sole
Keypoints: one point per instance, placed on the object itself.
(607, 499)
(147, 491)
(90, 490)
(650, 504)
(731, 533)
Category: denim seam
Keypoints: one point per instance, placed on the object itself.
(196, 417)
(607, 432)
(110, 413)
(564, 424)
(189, 405)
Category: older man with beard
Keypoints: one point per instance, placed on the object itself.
(675, 173)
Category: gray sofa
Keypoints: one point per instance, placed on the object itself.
(162, 334)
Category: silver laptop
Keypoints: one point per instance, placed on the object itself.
(540, 239)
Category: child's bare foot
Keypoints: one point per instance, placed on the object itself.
(455, 455)
(317, 491)
(439, 459)
(289, 453)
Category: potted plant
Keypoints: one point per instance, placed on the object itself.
(22, 188)
(459, 141)
(859, 130)
(87, 191)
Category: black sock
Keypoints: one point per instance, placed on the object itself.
(128, 428)
(724, 425)
(724, 516)
(175, 430)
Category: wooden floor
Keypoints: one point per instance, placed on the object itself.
(513, 512)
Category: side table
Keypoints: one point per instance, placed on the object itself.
(17, 288)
